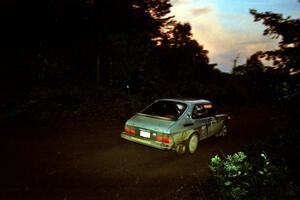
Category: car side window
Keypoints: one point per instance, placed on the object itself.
(202, 111)
(198, 112)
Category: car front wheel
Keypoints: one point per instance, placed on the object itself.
(192, 143)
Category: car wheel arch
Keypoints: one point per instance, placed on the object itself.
(198, 133)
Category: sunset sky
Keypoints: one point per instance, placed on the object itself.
(227, 30)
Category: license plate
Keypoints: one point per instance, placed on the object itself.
(145, 134)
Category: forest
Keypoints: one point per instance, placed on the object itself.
(85, 59)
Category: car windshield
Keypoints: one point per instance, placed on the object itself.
(166, 109)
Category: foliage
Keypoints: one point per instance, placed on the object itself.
(288, 91)
(288, 30)
(273, 84)
(274, 174)
(238, 178)
(252, 67)
(44, 106)
(103, 44)
(86, 46)
(229, 173)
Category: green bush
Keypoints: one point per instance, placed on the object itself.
(231, 174)
(235, 177)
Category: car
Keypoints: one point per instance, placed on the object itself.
(176, 124)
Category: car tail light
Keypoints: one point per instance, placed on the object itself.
(159, 138)
(164, 139)
(129, 130)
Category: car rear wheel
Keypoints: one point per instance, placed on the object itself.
(192, 143)
(223, 131)
(180, 148)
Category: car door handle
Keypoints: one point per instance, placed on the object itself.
(189, 124)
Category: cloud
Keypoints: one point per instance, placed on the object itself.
(201, 10)
(176, 2)
(225, 45)
(253, 42)
(224, 34)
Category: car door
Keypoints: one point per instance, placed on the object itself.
(201, 120)
(213, 126)
(205, 114)
(213, 123)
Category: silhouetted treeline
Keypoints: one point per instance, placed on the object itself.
(100, 43)
(281, 81)
(63, 55)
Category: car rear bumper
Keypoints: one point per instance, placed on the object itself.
(154, 144)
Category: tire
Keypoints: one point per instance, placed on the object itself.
(223, 132)
(180, 149)
(192, 143)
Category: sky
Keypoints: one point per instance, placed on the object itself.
(226, 28)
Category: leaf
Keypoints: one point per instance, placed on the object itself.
(227, 183)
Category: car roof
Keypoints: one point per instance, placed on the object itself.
(188, 101)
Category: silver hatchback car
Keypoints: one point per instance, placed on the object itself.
(175, 124)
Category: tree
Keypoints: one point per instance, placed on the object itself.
(100, 43)
(185, 63)
(253, 66)
(127, 37)
(287, 56)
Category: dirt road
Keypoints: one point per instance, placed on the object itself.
(90, 161)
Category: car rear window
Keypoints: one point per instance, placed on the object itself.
(166, 109)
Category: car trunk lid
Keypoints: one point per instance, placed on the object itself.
(149, 122)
